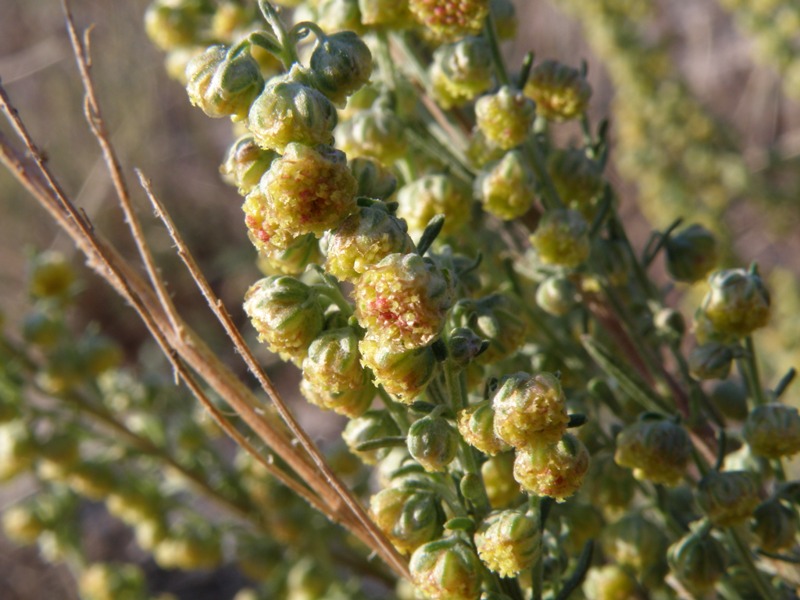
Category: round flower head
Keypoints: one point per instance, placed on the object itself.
(333, 361)
(447, 569)
(554, 470)
(433, 443)
(403, 300)
(561, 238)
(409, 517)
(691, 254)
(611, 582)
(698, 561)
(461, 71)
(498, 478)
(372, 425)
(508, 542)
(245, 163)
(505, 118)
(737, 304)
(774, 525)
(451, 19)
(309, 190)
(773, 430)
(431, 195)
(224, 81)
(404, 374)
(657, 450)
(340, 64)
(476, 426)
(506, 187)
(263, 226)
(560, 92)
(351, 403)
(171, 24)
(496, 318)
(363, 240)
(530, 409)
(293, 259)
(728, 498)
(377, 132)
(388, 13)
(286, 313)
(557, 295)
(711, 360)
(290, 111)
(577, 179)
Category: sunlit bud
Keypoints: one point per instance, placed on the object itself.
(387, 13)
(372, 425)
(22, 523)
(224, 81)
(691, 254)
(461, 71)
(409, 517)
(554, 470)
(112, 581)
(728, 498)
(530, 409)
(508, 542)
(476, 425)
(447, 569)
(377, 132)
(364, 239)
(637, 543)
(657, 450)
(286, 313)
(431, 195)
(611, 582)
(711, 361)
(560, 92)
(340, 64)
(506, 188)
(577, 179)
(451, 19)
(698, 561)
(173, 23)
(773, 430)
(245, 163)
(557, 295)
(339, 15)
(506, 117)
(189, 546)
(291, 111)
(561, 238)
(293, 259)
(403, 374)
(496, 318)
(50, 276)
(775, 526)
(738, 302)
(433, 442)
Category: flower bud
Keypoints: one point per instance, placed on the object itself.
(508, 542)
(447, 569)
(738, 302)
(340, 64)
(433, 443)
(393, 14)
(339, 15)
(292, 260)
(403, 374)
(711, 361)
(506, 188)
(407, 516)
(775, 526)
(506, 117)
(110, 581)
(495, 318)
(698, 561)
(23, 524)
(377, 132)
(224, 81)
(728, 498)
(561, 238)
(554, 470)
(577, 179)
(657, 450)
(374, 180)
(286, 313)
(476, 426)
(290, 111)
(431, 195)
(557, 295)
(611, 582)
(691, 254)
(773, 430)
(372, 425)
(363, 240)
(730, 398)
(171, 24)
(50, 276)
(530, 409)
(450, 20)
(464, 345)
(403, 300)
(639, 544)
(498, 478)
(461, 71)
(263, 227)
(560, 92)
(308, 190)
(245, 163)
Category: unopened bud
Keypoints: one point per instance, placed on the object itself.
(557, 295)
(340, 64)
(506, 188)
(407, 516)
(561, 238)
(433, 442)
(245, 164)
(577, 179)
(447, 569)
(171, 24)
(461, 71)
(431, 195)
(498, 479)
(611, 582)
(728, 498)
(506, 117)
(386, 13)
(496, 318)
(738, 302)
(657, 450)
(711, 361)
(698, 561)
(554, 470)
(372, 425)
(374, 180)
(775, 526)
(773, 430)
(377, 132)
(560, 92)
(691, 254)
(530, 409)
(639, 544)
(508, 542)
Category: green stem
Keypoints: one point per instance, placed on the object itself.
(537, 572)
(751, 366)
(490, 31)
(288, 51)
(764, 588)
(396, 410)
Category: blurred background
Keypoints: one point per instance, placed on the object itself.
(703, 99)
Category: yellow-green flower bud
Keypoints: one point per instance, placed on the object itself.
(372, 425)
(728, 498)
(339, 15)
(506, 117)
(508, 542)
(773, 430)
(611, 582)
(554, 470)
(657, 450)
(51, 276)
(363, 240)
(290, 111)
(495, 318)
(461, 71)
(189, 547)
(377, 132)
(350, 403)
(340, 64)
(263, 227)
(691, 254)
(409, 517)
(498, 479)
(374, 180)
(775, 526)
(506, 188)
(22, 524)
(557, 295)
(293, 259)
(404, 374)
(698, 561)
(393, 14)
(476, 426)
(112, 581)
(530, 410)
(639, 544)
(451, 19)
(245, 164)
(286, 313)
(447, 569)
(433, 442)
(403, 300)
(738, 302)
(173, 23)
(577, 179)
(431, 195)
(560, 92)
(309, 190)
(561, 238)
(711, 361)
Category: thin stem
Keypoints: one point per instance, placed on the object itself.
(751, 366)
(396, 410)
(490, 31)
(537, 571)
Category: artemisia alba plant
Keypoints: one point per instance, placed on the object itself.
(461, 288)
